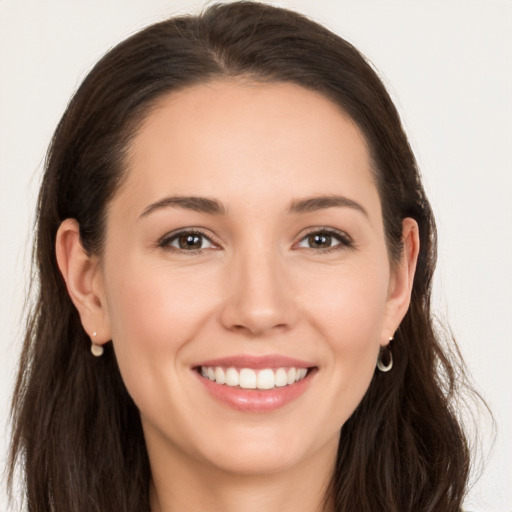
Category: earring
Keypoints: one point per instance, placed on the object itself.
(96, 350)
(385, 367)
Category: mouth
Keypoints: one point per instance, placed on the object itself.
(249, 378)
(255, 384)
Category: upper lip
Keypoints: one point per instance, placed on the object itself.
(256, 362)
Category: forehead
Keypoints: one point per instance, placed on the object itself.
(222, 138)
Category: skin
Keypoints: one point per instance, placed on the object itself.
(257, 287)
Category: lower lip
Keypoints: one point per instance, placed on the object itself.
(256, 400)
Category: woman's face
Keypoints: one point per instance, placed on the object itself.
(247, 243)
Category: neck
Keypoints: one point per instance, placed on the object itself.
(197, 486)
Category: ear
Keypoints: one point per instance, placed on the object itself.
(84, 281)
(402, 279)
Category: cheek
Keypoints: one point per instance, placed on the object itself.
(154, 313)
(348, 304)
(154, 307)
(349, 312)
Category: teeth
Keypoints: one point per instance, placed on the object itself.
(247, 378)
(266, 379)
(281, 378)
(220, 376)
(232, 377)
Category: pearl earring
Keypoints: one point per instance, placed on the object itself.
(96, 350)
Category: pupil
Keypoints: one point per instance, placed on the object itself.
(190, 242)
(320, 241)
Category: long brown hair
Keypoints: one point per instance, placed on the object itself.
(76, 432)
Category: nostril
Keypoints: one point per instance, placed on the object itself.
(254, 329)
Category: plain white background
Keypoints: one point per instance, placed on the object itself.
(447, 64)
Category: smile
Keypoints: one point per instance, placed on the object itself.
(256, 384)
(248, 378)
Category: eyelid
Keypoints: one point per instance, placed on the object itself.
(344, 238)
(164, 241)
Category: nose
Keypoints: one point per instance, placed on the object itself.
(259, 298)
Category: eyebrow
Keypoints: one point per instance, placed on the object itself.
(214, 207)
(316, 203)
(197, 204)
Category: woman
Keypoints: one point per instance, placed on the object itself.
(231, 220)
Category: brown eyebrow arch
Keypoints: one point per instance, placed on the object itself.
(197, 204)
(312, 204)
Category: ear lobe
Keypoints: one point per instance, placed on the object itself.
(402, 279)
(83, 278)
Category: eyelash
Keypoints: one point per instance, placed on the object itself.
(344, 240)
(166, 240)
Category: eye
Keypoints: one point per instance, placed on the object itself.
(325, 239)
(188, 241)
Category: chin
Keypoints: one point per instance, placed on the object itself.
(258, 450)
(256, 462)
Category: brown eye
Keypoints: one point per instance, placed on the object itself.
(326, 239)
(187, 241)
(319, 241)
(190, 242)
